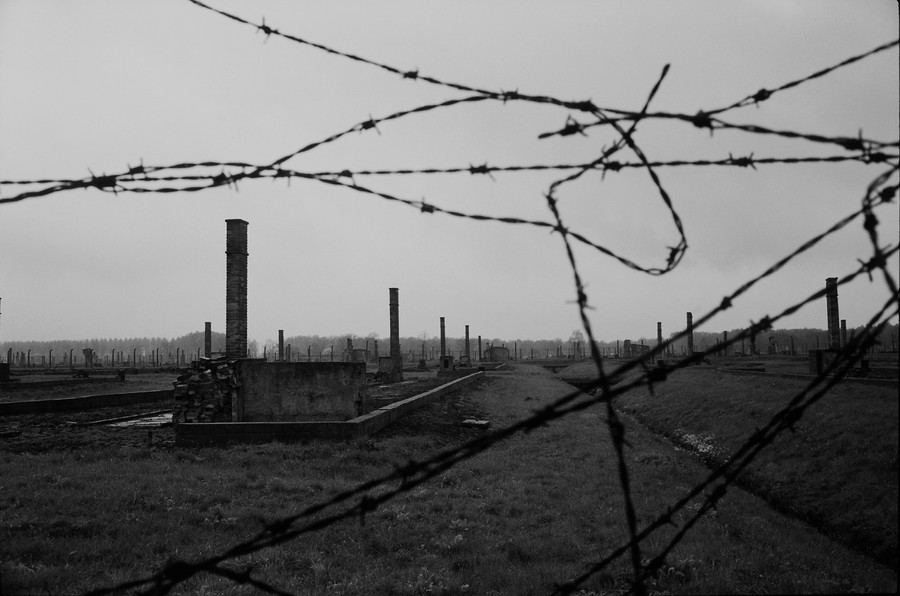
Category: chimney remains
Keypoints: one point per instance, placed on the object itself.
(236, 289)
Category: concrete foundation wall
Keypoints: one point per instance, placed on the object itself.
(225, 433)
(298, 391)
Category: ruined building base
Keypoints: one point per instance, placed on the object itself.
(253, 390)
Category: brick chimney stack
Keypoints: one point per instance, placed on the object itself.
(834, 319)
(236, 289)
(396, 361)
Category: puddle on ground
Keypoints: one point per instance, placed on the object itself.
(147, 422)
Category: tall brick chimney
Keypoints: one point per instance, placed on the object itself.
(834, 319)
(690, 334)
(207, 340)
(467, 341)
(396, 362)
(659, 338)
(236, 289)
(443, 340)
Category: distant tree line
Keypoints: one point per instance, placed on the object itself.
(144, 349)
(320, 347)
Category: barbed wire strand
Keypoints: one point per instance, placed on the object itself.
(602, 166)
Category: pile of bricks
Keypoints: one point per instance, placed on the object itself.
(205, 393)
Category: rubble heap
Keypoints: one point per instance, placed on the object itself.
(206, 392)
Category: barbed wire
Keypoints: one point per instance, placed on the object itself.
(362, 499)
(748, 161)
(129, 182)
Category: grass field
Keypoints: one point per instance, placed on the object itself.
(837, 470)
(534, 511)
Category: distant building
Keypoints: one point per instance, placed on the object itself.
(633, 350)
(495, 354)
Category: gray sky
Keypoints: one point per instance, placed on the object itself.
(102, 85)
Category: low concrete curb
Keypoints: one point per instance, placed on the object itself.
(224, 433)
(68, 404)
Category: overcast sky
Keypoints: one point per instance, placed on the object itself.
(101, 85)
